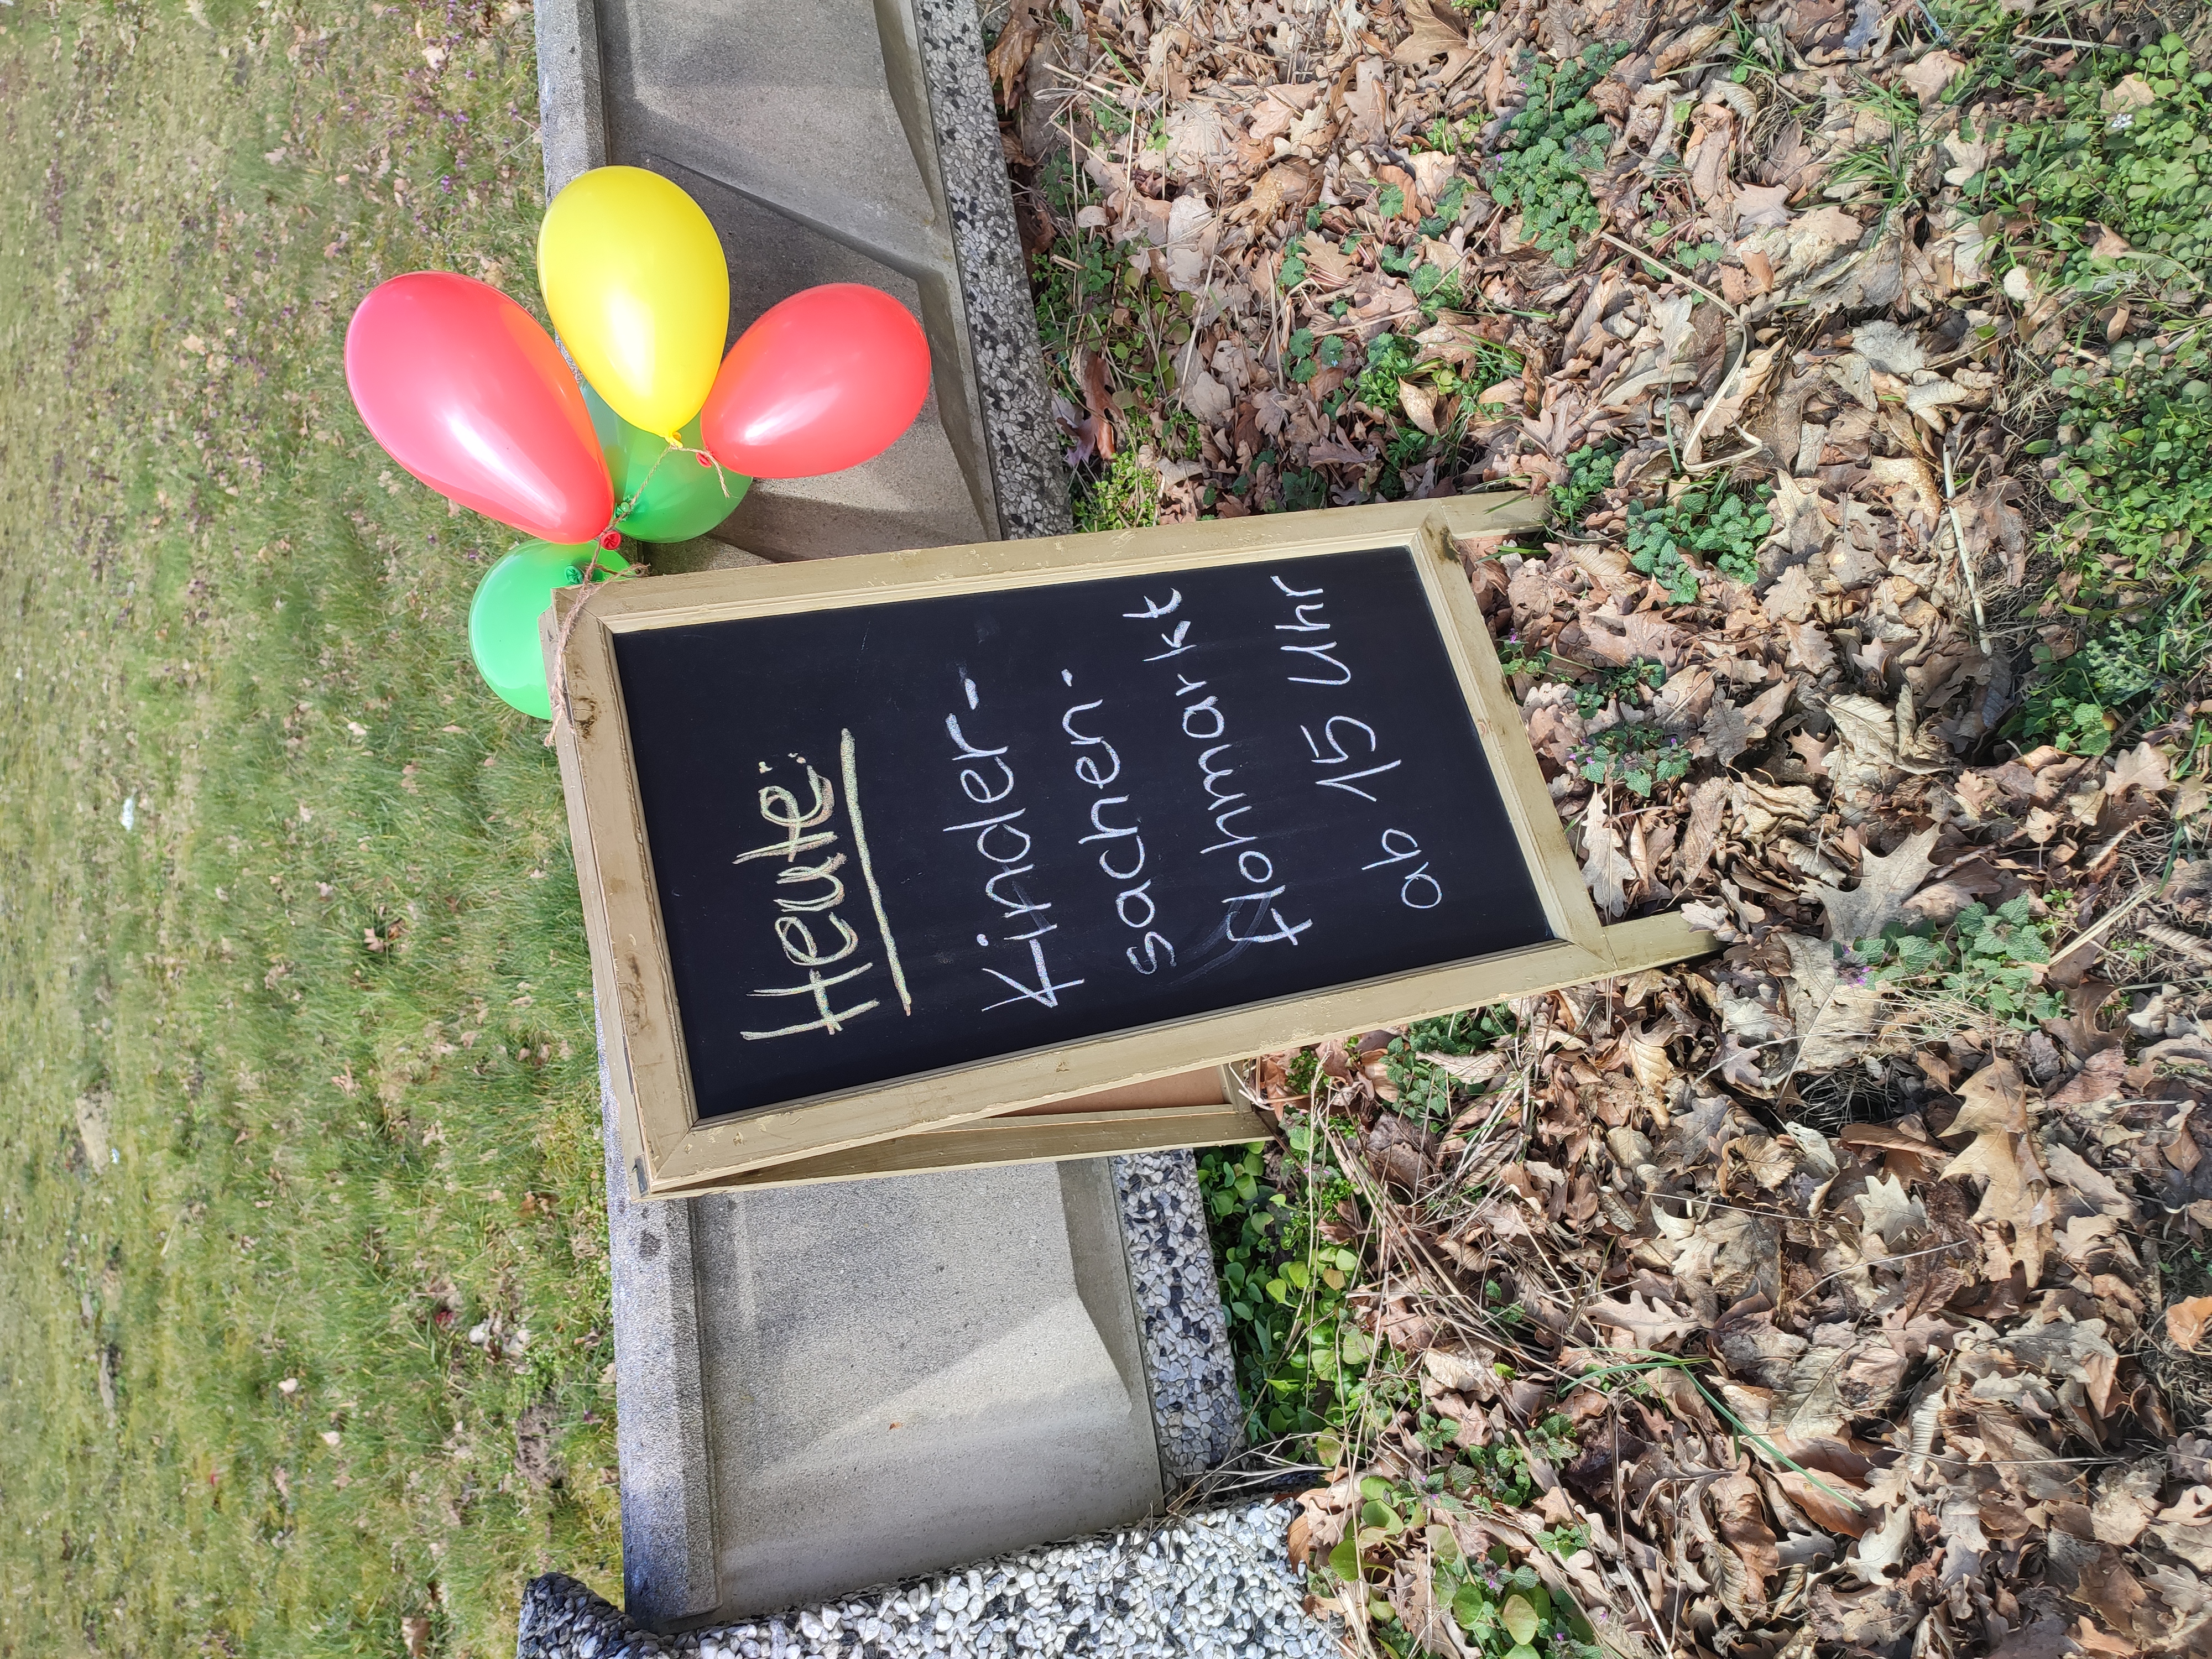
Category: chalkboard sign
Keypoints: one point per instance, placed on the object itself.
(919, 838)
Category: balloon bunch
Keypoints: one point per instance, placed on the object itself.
(465, 391)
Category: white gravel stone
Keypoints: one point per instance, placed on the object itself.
(1212, 1586)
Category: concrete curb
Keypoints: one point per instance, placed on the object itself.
(924, 209)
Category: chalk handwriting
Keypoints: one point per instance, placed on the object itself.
(1204, 722)
(1320, 651)
(1347, 749)
(1399, 848)
(817, 890)
(1121, 859)
(1001, 842)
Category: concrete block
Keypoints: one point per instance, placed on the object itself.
(911, 1373)
(837, 140)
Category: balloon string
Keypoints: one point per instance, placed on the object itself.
(629, 503)
(706, 458)
(559, 684)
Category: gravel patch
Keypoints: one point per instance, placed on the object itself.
(1212, 1586)
(1188, 1360)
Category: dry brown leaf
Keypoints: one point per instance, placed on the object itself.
(1828, 1500)
(1932, 73)
(1996, 1114)
(1646, 1048)
(1882, 1547)
(2141, 768)
(1835, 1017)
(1909, 482)
(1606, 868)
(1009, 57)
(1646, 1324)
(1437, 32)
(1285, 187)
(1470, 1371)
(2186, 1321)
(1419, 403)
(1740, 1513)
(1886, 881)
(1473, 1070)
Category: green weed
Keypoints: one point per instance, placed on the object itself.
(1636, 754)
(1661, 560)
(2135, 671)
(1502, 1610)
(1551, 148)
(2134, 449)
(1595, 685)
(1884, 169)
(1725, 527)
(1307, 356)
(1426, 1089)
(2142, 172)
(1986, 959)
(1590, 472)
(1125, 495)
(1303, 1365)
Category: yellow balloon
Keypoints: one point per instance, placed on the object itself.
(634, 276)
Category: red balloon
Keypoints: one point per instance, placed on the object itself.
(825, 381)
(465, 390)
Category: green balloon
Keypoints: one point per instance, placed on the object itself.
(503, 617)
(677, 497)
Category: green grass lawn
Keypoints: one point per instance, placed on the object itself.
(299, 1133)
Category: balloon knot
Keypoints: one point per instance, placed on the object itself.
(610, 539)
(705, 460)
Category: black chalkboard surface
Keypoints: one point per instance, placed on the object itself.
(896, 837)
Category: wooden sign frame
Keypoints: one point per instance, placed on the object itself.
(1079, 1100)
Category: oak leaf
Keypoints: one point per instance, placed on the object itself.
(1996, 1114)
(1648, 1323)
(1886, 881)
(1437, 32)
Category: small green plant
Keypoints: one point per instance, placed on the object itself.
(1307, 356)
(1885, 167)
(1125, 496)
(1987, 959)
(1590, 472)
(1450, 205)
(2134, 448)
(1424, 1089)
(1302, 1364)
(1551, 148)
(1639, 754)
(1436, 289)
(2137, 670)
(1629, 682)
(1594, 686)
(1390, 358)
(1662, 560)
(1725, 527)
(2130, 156)
(1090, 299)
(1503, 1610)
